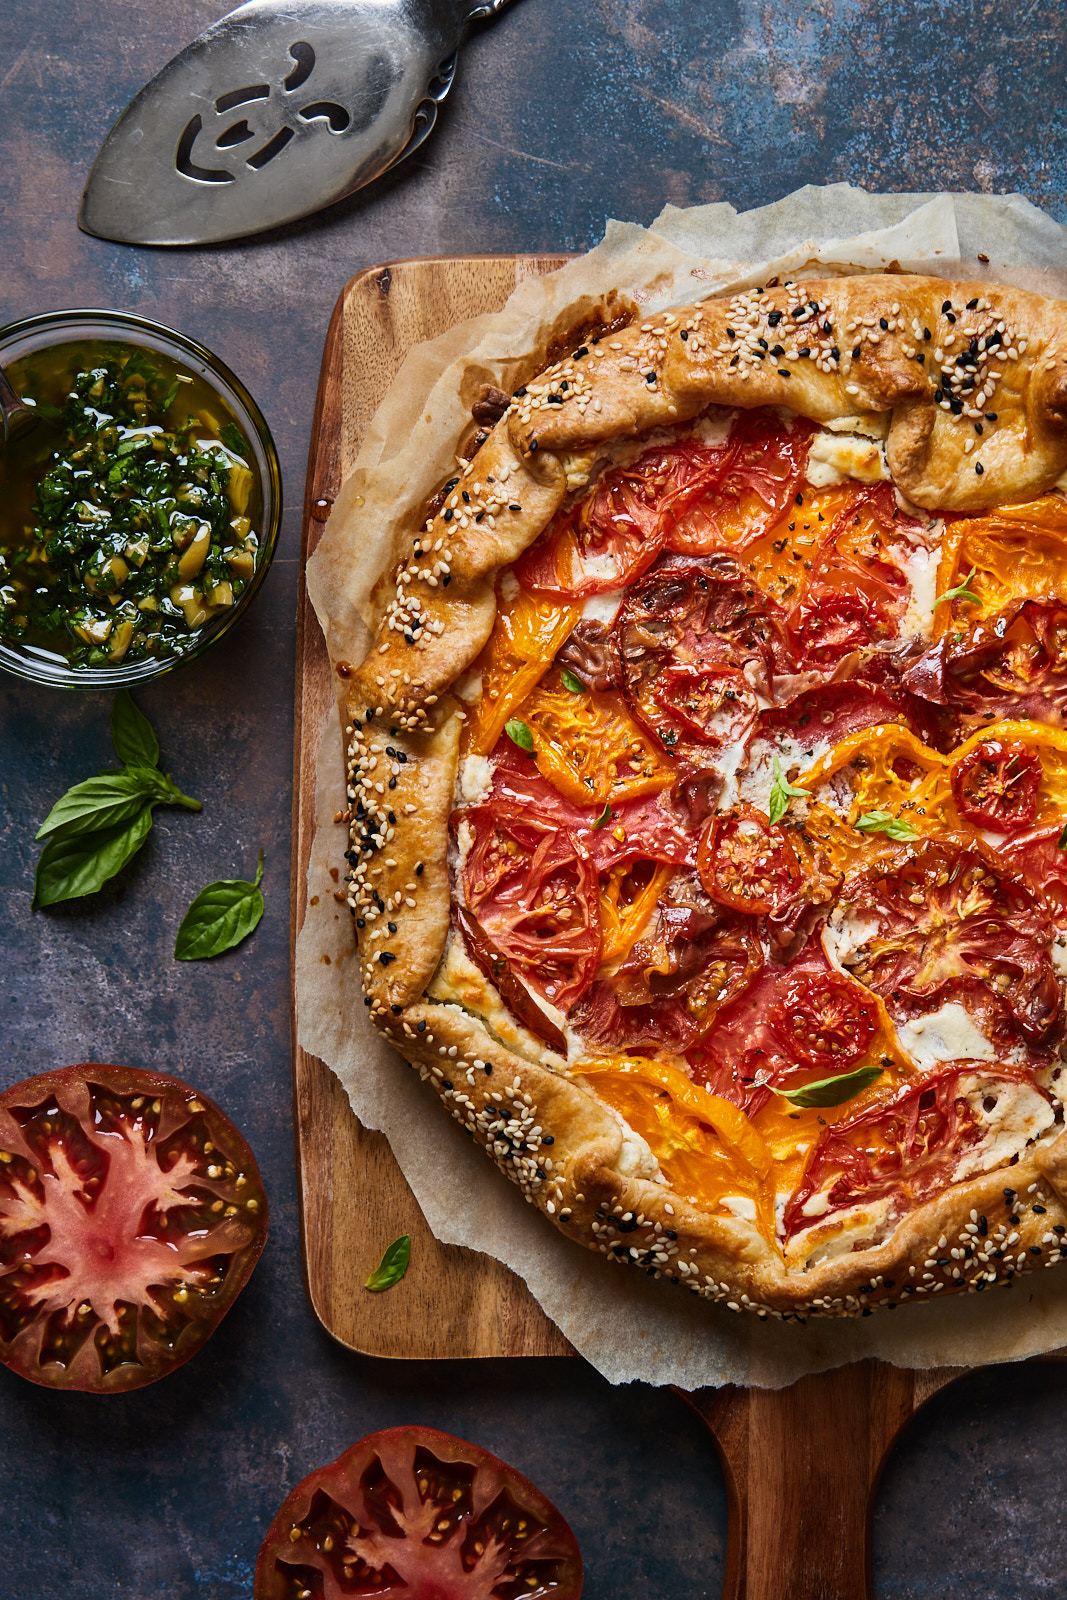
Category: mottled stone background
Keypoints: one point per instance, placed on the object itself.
(565, 111)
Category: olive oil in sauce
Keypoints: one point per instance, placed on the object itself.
(130, 516)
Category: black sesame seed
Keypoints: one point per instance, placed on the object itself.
(926, 333)
(514, 507)
(548, 1138)
(385, 957)
(991, 416)
(367, 1000)
(418, 870)
(420, 1027)
(361, 922)
(978, 467)
(650, 377)
(946, 307)
(734, 360)
(396, 1010)
(1035, 1249)
(684, 334)
(488, 1065)
(972, 305)
(520, 392)
(392, 927)
(783, 373)
(774, 318)
(882, 323)
(921, 359)
(582, 350)
(856, 351)
(447, 579)
(447, 515)
(392, 783)
(466, 498)
(533, 446)
(1041, 1210)
(730, 334)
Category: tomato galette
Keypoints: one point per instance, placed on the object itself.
(708, 791)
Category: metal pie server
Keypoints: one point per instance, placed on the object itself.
(280, 108)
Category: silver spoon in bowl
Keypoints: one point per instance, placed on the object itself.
(18, 418)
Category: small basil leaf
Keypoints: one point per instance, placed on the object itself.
(832, 1091)
(131, 733)
(393, 1265)
(962, 592)
(519, 734)
(102, 802)
(74, 865)
(220, 917)
(782, 791)
(885, 822)
(572, 682)
(605, 816)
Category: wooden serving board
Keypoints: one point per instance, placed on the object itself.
(802, 1463)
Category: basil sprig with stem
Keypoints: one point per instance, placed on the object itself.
(220, 917)
(98, 826)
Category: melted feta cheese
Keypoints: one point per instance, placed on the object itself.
(845, 932)
(475, 779)
(834, 457)
(920, 569)
(949, 1034)
(603, 607)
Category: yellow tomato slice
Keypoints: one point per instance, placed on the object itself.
(590, 748)
(1017, 553)
(625, 907)
(886, 769)
(525, 637)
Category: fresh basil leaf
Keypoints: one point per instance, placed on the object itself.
(393, 1265)
(605, 816)
(519, 734)
(832, 1091)
(75, 865)
(572, 682)
(962, 592)
(782, 791)
(885, 822)
(131, 733)
(111, 799)
(220, 917)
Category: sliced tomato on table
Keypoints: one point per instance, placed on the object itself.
(910, 1148)
(996, 785)
(415, 1514)
(748, 863)
(131, 1215)
(614, 533)
(759, 483)
(534, 890)
(943, 913)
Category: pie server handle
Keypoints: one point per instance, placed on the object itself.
(280, 108)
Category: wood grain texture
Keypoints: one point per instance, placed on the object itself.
(353, 1197)
(801, 1467)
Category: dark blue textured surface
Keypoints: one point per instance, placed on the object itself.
(566, 111)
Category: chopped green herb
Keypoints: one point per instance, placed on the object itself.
(605, 816)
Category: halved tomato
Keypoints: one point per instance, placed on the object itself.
(131, 1215)
(534, 891)
(825, 1019)
(996, 785)
(747, 863)
(415, 1514)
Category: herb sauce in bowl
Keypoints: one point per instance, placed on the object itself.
(138, 512)
(131, 517)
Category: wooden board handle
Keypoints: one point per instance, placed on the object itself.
(801, 1466)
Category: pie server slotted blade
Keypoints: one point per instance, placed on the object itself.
(278, 109)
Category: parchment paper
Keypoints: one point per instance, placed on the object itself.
(628, 1326)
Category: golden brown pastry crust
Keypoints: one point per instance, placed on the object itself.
(939, 358)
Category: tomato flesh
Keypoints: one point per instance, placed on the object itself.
(996, 785)
(131, 1215)
(826, 1019)
(414, 1514)
(747, 863)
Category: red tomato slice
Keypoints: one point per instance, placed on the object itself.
(695, 958)
(856, 592)
(534, 891)
(910, 1147)
(131, 1215)
(825, 1019)
(1041, 862)
(624, 518)
(414, 1514)
(748, 864)
(494, 965)
(996, 785)
(944, 914)
(758, 483)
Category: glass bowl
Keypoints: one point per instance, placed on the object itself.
(51, 329)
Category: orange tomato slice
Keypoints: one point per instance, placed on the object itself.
(626, 905)
(1017, 553)
(590, 748)
(525, 637)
